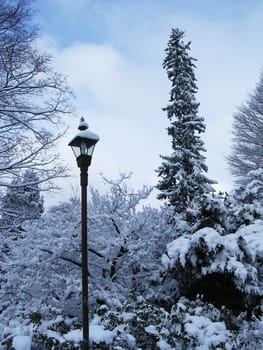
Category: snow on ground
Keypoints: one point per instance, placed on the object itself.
(21, 342)
(74, 336)
(99, 334)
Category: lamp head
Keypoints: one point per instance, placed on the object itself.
(83, 144)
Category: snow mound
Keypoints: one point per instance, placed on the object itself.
(74, 336)
(21, 342)
(100, 335)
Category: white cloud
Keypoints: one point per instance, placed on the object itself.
(121, 87)
(88, 65)
(122, 102)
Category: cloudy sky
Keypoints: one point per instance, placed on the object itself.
(112, 53)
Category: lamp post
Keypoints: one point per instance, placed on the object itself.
(83, 145)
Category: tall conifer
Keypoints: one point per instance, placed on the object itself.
(182, 174)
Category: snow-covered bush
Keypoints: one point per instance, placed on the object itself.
(245, 203)
(137, 325)
(142, 325)
(138, 307)
(225, 270)
(44, 260)
(41, 271)
(197, 325)
(130, 239)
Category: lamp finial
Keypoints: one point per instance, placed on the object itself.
(83, 125)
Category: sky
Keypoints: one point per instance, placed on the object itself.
(112, 53)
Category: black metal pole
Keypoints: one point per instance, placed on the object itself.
(84, 243)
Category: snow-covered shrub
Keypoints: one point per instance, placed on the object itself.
(125, 247)
(41, 270)
(137, 325)
(223, 269)
(245, 203)
(142, 325)
(197, 324)
(130, 239)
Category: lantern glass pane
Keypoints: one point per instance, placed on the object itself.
(90, 150)
(83, 148)
(86, 148)
(76, 151)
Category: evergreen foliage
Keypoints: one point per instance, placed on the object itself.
(22, 201)
(183, 173)
(207, 210)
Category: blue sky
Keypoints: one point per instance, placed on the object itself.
(112, 53)
(99, 21)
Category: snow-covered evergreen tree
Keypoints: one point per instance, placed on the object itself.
(183, 173)
(22, 201)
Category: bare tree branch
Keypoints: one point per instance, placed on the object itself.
(33, 99)
(247, 146)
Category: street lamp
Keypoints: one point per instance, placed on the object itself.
(83, 145)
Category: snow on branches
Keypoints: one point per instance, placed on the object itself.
(182, 174)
